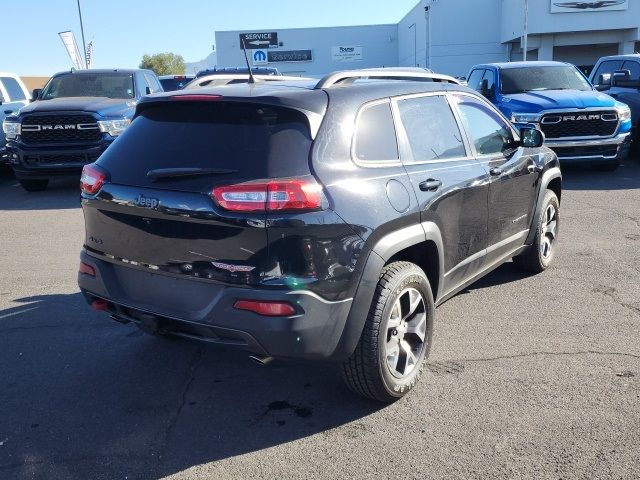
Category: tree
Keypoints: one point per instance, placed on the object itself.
(164, 63)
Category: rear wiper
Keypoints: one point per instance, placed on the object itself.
(161, 173)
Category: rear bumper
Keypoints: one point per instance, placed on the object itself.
(204, 310)
(598, 151)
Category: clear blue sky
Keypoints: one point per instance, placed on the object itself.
(124, 30)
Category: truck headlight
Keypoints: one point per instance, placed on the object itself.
(624, 113)
(525, 117)
(114, 127)
(11, 129)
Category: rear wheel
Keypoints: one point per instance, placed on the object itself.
(34, 185)
(396, 338)
(540, 254)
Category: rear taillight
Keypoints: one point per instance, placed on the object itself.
(92, 179)
(267, 309)
(270, 195)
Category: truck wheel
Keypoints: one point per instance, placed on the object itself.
(540, 254)
(396, 338)
(34, 185)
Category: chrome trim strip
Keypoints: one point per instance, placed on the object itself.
(620, 139)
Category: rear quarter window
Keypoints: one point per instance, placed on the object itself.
(375, 137)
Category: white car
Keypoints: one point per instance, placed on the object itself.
(231, 78)
(13, 96)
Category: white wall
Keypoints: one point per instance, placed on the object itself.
(464, 33)
(412, 38)
(379, 42)
(541, 20)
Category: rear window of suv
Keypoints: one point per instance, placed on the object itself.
(253, 141)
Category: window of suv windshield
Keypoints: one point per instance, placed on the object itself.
(526, 79)
(110, 85)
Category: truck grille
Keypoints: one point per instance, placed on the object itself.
(579, 124)
(59, 159)
(39, 129)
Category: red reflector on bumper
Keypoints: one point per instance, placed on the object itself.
(99, 305)
(87, 269)
(267, 309)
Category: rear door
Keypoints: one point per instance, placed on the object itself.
(513, 171)
(156, 209)
(451, 186)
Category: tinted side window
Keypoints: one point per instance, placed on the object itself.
(489, 132)
(431, 128)
(13, 89)
(475, 79)
(152, 83)
(609, 66)
(490, 77)
(376, 134)
(633, 67)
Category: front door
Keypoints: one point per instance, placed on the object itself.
(451, 186)
(513, 171)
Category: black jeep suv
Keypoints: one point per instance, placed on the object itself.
(318, 221)
(72, 121)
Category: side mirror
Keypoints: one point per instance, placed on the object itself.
(604, 82)
(485, 90)
(35, 95)
(620, 76)
(147, 91)
(531, 137)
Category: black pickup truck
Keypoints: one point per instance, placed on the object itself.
(72, 121)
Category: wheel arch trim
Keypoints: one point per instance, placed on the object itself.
(547, 177)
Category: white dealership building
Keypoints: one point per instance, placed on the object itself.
(448, 36)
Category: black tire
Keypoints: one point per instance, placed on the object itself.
(367, 372)
(535, 259)
(34, 185)
(607, 167)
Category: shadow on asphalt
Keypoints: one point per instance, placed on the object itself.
(626, 177)
(62, 193)
(505, 273)
(85, 397)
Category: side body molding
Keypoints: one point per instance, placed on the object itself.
(379, 255)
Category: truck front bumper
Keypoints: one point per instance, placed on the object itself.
(592, 151)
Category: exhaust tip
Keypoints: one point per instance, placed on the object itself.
(261, 359)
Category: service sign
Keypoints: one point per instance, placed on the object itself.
(289, 56)
(259, 41)
(564, 6)
(346, 53)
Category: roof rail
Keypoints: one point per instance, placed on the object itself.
(347, 77)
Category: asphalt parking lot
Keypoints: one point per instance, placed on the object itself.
(529, 377)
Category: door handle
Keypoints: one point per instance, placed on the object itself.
(430, 185)
(496, 171)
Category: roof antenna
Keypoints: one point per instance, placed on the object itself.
(252, 79)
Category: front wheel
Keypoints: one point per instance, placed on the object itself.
(396, 338)
(539, 255)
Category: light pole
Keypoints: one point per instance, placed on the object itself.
(525, 33)
(84, 47)
(415, 44)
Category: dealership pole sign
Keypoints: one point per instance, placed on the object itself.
(563, 6)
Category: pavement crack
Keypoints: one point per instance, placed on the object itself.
(534, 354)
(612, 293)
(173, 420)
